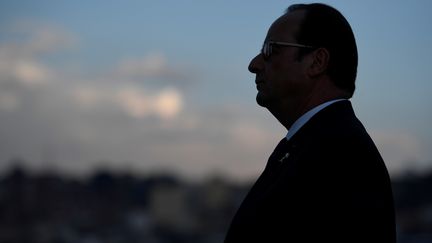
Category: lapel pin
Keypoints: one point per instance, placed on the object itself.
(283, 158)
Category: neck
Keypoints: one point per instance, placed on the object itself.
(287, 112)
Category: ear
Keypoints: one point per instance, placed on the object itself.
(320, 61)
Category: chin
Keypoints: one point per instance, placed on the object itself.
(262, 101)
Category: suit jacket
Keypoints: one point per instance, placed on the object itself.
(328, 183)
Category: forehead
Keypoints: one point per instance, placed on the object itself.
(286, 27)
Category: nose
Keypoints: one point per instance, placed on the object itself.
(255, 64)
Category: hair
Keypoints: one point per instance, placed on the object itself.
(324, 26)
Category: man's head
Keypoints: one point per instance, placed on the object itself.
(324, 26)
(309, 56)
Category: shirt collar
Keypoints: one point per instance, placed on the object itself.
(306, 117)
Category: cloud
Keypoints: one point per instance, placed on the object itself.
(168, 103)
(30, 72)
(53, 117)
(21, 63)
(153, 65)
(155, 70)
(31, 38)
(20, 53)
(135, 102)
(137, 113)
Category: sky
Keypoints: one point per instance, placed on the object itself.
(153, 86)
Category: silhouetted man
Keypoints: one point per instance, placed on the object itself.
(325, 181)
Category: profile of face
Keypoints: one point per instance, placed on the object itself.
(281, 78)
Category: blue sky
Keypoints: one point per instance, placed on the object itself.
(163, 85)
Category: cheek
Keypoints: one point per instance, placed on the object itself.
(281, 78)
(287, 83)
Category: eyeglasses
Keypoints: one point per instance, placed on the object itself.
(267, 49)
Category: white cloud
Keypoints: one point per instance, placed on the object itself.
(50, 38)
(34, 38)
(31, 73)
(20, 55)
(168, 103)
(134, 101)
(153, 65)
(24, 70)
(154, 70)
